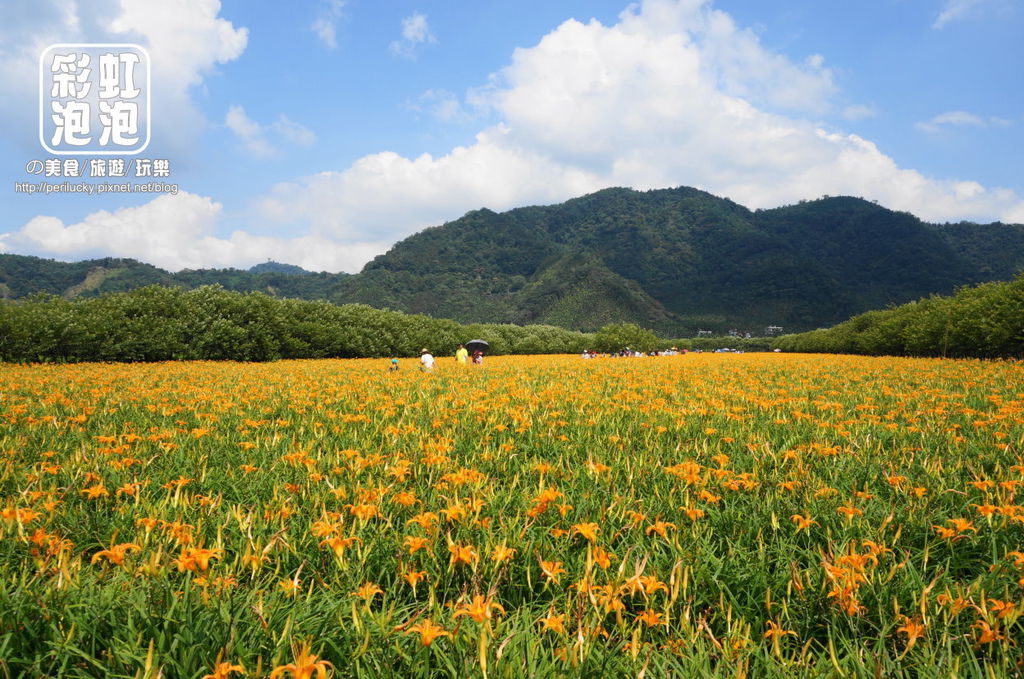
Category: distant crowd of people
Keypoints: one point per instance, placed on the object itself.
(464, 357)
(428, 362)
(626, 352)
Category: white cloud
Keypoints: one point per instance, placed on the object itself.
(672, 94)
(442, 105)
(253, 136)
(326, 23)
(176, 232)
(955, 10)
(248, 132)
(294, 132)
(858, 112)
(961, 10)
(415, 32)
(186, 37)
(186, 40)
(950, 119)
(385, 196)
(24, 35)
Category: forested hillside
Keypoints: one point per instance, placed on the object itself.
(675, 260)
(986, 321)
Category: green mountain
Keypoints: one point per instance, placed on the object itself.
(270, 266)
(674, 260)
(22, 275)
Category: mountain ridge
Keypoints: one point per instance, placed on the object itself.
(675, 260)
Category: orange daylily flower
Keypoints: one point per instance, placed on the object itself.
(480, 609)
(588, 530)
(305, 666)
(116, 553)
(95, 491)
(987, 634)
(426, 520)
(962, 525)
(414, 544)
(428, 631)
(224, 670)
(464, 554)
(413, 577)
(553, 623)
(324, 528)
(849, 512)
(1001, 608)
(693, 513)
(339, 544)
(650, 618)
(367, 591)
(913, 629)
(289, 587)
(551, 569)
(196, 558)
(660, 527)
(802, 522)
(601, 557)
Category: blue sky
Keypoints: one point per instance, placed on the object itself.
(320, 132)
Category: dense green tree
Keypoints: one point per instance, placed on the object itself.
(984, 321)
(158, 323)
(616, 336)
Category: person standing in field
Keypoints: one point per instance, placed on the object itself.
(461, 355)
(478, 357)
(426, 360)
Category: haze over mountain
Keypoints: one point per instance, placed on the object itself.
(675, 260)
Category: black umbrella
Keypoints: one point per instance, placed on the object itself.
(477, 344)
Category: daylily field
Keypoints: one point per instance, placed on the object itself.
(728, 515)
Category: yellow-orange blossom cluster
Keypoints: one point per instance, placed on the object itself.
(605, 501)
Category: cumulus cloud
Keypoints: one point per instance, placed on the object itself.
(253, 136)
(26, 30)
(186, 40)
(672, 94)
(385, 196)
(186, 37)
(326, 23)
(176, 232)
(415, 32)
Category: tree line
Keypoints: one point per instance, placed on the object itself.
(159, 323)
(986, 321)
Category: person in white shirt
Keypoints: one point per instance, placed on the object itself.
(426, 361)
